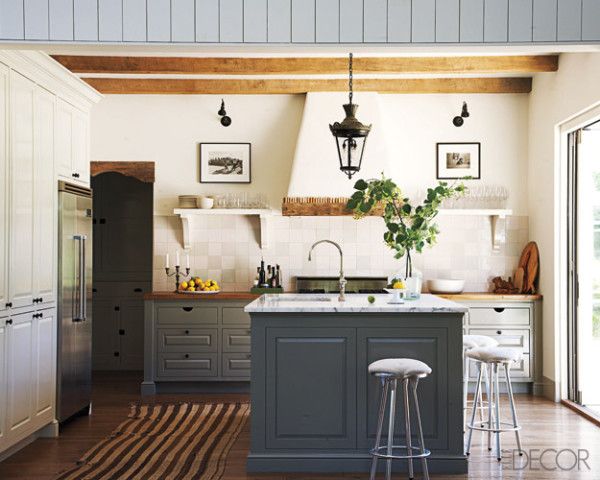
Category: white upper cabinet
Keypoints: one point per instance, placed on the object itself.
(21, 238)
(3, 182)
(44, 198)
(81, 155)
(19, 375)
(72, 143)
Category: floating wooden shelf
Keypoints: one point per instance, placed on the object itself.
(188, 215)
(319, 207)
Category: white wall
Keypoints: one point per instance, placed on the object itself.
(555, 98)
(167, 128)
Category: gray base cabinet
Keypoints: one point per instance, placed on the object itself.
(314, 405)
(512, 324)
(201, 340)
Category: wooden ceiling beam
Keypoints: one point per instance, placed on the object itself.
(296, 86)
(309, 65)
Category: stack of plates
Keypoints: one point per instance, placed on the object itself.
(187, 201)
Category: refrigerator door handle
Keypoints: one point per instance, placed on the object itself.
(81, 292)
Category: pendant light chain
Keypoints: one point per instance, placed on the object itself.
(350, 94)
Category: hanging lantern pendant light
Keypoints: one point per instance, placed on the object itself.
(350, 135)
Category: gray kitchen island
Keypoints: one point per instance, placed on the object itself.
(314, 405)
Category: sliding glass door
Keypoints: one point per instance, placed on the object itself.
(584, 266)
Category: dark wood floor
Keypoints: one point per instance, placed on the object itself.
(546, 425)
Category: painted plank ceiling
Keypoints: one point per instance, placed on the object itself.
(301, 21)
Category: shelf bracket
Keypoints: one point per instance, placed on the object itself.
(185, 226)
(498, 231)
(265, 232)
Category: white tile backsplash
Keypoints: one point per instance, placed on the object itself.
(227, 250)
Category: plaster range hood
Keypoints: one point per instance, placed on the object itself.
(316, 176)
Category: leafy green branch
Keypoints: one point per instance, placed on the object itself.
(409, 228)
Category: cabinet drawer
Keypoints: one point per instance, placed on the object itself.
(506, 337)
(187, 340)
(235, 316)
(172, 315)
(499, 316)
(236, 340)
(236, 365)
(520, 370)
(110, 290)
(188, 365)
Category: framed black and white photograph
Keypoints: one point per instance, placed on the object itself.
(458, 160)
(225, 163)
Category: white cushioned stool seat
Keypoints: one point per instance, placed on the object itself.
(399, 367)
(474, 341)
(495, 354)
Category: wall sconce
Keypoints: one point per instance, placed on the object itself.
(459, 120)
(225, 120)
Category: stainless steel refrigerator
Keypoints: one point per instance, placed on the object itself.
(74, 377)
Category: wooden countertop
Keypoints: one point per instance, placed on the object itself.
(474, 296)
(188, 296)
(489, 297)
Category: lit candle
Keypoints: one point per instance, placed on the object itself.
(177, 258)
(167, 260)
(187, 261)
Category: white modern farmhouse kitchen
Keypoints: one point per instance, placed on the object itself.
(299, 239)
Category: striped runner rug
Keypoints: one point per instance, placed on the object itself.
(187, 441)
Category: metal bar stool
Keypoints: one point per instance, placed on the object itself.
(469, 342)
(408, 371)
(492, 359)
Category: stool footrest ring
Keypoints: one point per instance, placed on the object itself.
(424, 452)
(509, 427)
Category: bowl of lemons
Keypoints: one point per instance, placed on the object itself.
(198, 286)
(397, 289)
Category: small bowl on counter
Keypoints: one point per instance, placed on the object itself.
(397, 295)
(442, 285)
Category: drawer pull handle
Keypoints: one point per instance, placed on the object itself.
(187, 332)
(187, 309)
(249, 356)
(498, 309)
(499, 332)
(187, 355)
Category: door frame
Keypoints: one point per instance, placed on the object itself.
(562, 348)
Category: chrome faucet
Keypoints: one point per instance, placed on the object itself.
(342, 297)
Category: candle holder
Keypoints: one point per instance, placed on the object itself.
(177, 274)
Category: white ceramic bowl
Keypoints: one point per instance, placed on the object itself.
(441, 285)
(206, 202)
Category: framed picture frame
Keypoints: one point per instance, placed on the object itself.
(225, 163)
(458, 160)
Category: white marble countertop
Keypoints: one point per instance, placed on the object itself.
(355, 303)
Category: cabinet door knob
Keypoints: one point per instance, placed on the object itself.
(187, 332)
(187, 355)
(499, 332)
(9, 321)
(9, 304)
